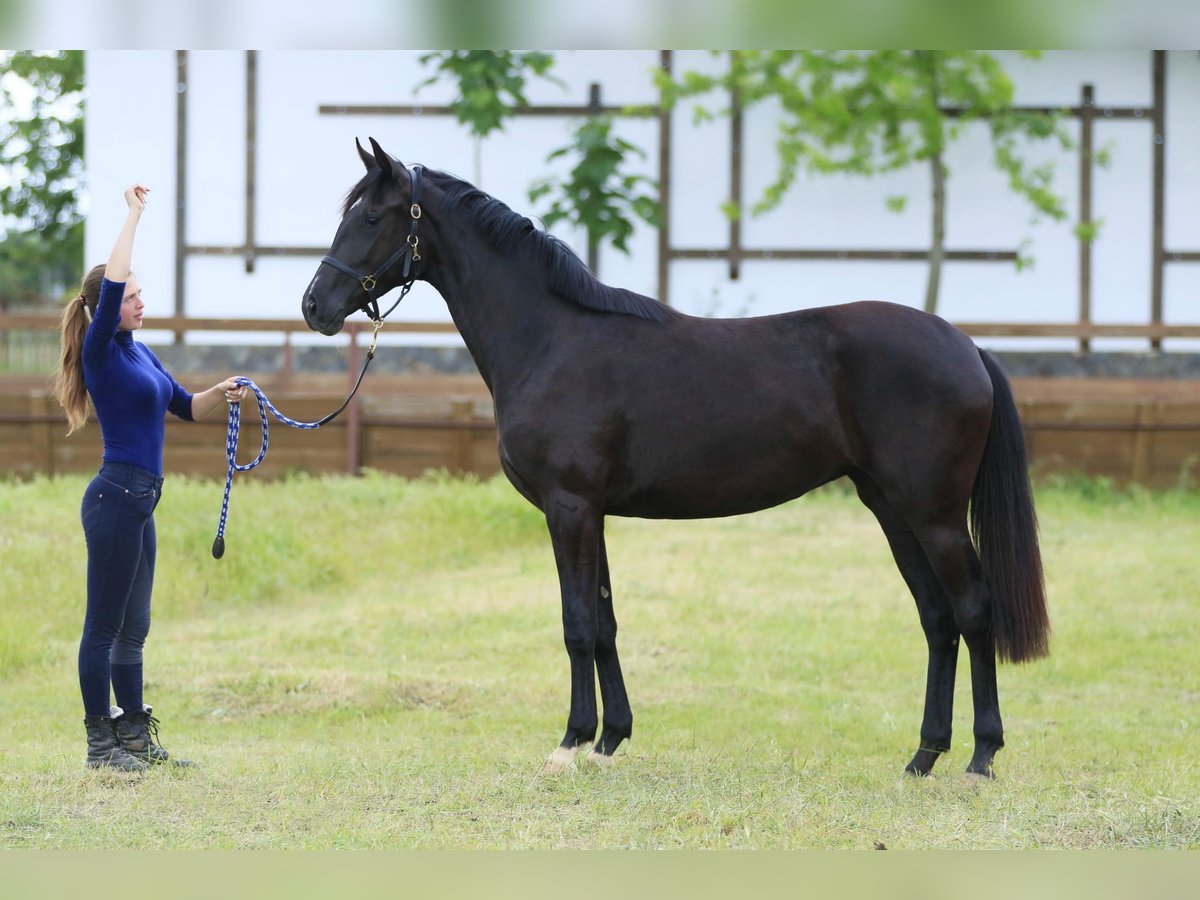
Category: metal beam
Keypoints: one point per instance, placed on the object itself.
(249, 250)
(792, 253)
(1085, 210)
(1159, 187)
(181, 89)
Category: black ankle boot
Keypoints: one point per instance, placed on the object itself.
(138, 733)
(105, 750)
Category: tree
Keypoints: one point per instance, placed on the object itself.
(41, 172)
(874, 112)
(490, 83)
(597, 195)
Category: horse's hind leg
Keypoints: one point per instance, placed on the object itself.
(953, 557)
(618, 718)
(937, 620)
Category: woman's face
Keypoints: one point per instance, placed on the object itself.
(132, 306)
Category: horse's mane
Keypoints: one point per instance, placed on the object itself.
(509, 232)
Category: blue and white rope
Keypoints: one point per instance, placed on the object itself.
(231, 446)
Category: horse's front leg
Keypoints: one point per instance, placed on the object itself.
(575, 527)
(618, 718)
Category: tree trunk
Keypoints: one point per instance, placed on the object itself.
(4, 338)
(937, 247)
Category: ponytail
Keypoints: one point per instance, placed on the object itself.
(69, 387)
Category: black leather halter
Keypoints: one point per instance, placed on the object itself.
(410, 253)
(411, 256)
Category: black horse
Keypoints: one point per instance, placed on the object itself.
(610, 403)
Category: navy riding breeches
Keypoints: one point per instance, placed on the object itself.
(118, 524)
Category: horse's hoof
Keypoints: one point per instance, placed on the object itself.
(599, 760)
(561, 760)
(921, 765)
(975, 779)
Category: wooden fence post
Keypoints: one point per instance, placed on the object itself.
(462, 410)
(1143, 442)
(354, 413)
(41, 430)
(1028, 432)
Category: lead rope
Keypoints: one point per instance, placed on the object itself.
(235, 427)
(231, 444)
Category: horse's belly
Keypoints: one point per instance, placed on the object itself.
(710, 484)
(665, 506)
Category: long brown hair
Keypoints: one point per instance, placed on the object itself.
(69, 388)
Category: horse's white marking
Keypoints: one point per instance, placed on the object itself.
(604, 592)
(562, 759)
(599, 760)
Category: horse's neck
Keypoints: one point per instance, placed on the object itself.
(496, 304)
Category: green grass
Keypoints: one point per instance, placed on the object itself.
(379, 663)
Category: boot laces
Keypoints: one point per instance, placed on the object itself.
(152, 731)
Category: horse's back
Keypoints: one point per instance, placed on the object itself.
(863, 346)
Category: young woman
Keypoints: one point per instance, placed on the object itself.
(131, 393)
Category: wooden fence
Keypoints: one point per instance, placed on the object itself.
(1145, 431)
(1134, 431)
(401, 424)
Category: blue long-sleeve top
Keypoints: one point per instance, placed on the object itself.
(130, 389)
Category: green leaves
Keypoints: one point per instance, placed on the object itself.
(598, 195)
(867, 113)
(33, 270)
(41, 158)
(42, 150)
(491, 83)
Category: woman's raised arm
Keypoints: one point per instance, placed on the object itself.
(122, 252)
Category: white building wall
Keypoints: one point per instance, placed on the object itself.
(129, 136)
(306, 162)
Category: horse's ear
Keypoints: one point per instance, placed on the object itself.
(389, 166)
(367, 158)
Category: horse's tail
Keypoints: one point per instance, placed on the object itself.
(1004, 526)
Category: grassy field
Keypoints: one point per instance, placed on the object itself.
(379, 663)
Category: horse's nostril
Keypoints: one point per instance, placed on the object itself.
(310, 303)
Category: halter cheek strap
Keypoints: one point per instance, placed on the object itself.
(410, 253)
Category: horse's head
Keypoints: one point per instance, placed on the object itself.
(368, 256)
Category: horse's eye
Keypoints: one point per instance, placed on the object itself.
(372, 219)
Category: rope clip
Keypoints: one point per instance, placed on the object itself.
(376, 324)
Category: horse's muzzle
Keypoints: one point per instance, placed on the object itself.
(308, 307)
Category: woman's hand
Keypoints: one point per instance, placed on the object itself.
(234, 392)
(135, 197)
(205, 402)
